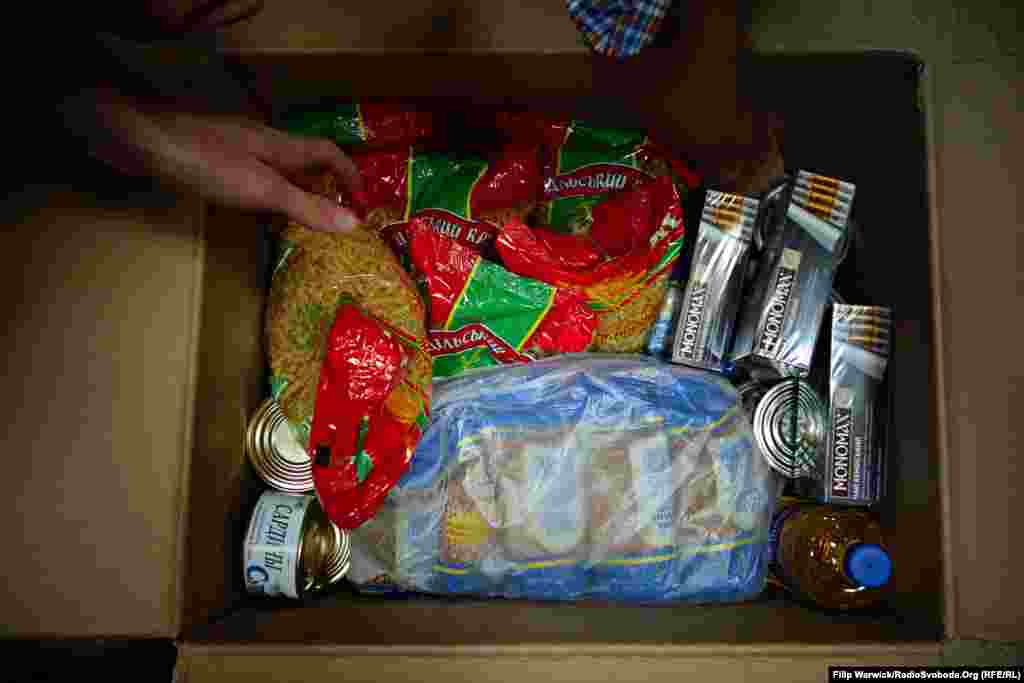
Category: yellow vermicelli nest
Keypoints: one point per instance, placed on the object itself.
(625, 329)
(380, 218)
(316, 272)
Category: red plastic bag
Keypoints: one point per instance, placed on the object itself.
(635, 241)
(625, 221)
(482, 315)
(632, 233)
(467, 199)
(593, 163)
(360, 442)
(530, 128)
(384, 175)
(513, 178)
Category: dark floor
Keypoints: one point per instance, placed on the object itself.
(135, 660)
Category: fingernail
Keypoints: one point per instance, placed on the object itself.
(344, 221)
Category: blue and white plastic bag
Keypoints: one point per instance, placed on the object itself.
(580, 477)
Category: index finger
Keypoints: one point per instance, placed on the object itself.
(296, 153)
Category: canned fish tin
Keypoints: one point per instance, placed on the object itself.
(791, 427)
(751, 392)
(275, 453)
(291, 549)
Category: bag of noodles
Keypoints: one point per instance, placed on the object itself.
(622, 267)
(591, 164)
(357, 123)
(483, 315)
(467, 199)
(349, 367)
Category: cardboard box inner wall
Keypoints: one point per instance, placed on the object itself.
(855, 117)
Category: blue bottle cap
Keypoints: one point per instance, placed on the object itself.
(867, 564)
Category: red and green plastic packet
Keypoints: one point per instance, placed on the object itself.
(593, 163)
(355, 123)
(468, 199)
(528, 127)
(465, 198)
(384, 174)
(363, 433)
(636, 237)
(482, 315)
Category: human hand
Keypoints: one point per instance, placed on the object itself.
(148, 20)
(230, 161)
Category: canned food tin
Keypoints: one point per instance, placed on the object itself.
(291, 549)
(275, 453)
(751, 393)
(791, 426)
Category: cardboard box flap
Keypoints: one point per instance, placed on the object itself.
(97, 354)
(980, 251)
(197, 664)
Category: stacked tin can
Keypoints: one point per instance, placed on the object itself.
(291, 548)
(791, 428)
(275, 453)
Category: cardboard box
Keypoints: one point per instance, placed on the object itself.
(135, 492)
(877, 140)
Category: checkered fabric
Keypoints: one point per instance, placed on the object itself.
(618, 28)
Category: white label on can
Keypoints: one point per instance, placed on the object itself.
(271, 558)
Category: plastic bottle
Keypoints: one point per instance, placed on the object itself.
(659, 341)
(832, 556)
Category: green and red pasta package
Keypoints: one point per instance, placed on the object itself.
(531, 128)
(482, 315)
(621, 268)
(591, 164)
(586, 167)
(465, 198)
(356, 123)
(346, 343)
(384, 174)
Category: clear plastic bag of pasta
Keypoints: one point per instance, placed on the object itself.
(346, 343)
(585, 476)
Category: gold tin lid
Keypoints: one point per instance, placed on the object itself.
(325, 551)
(790, 427)
(276, 455)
